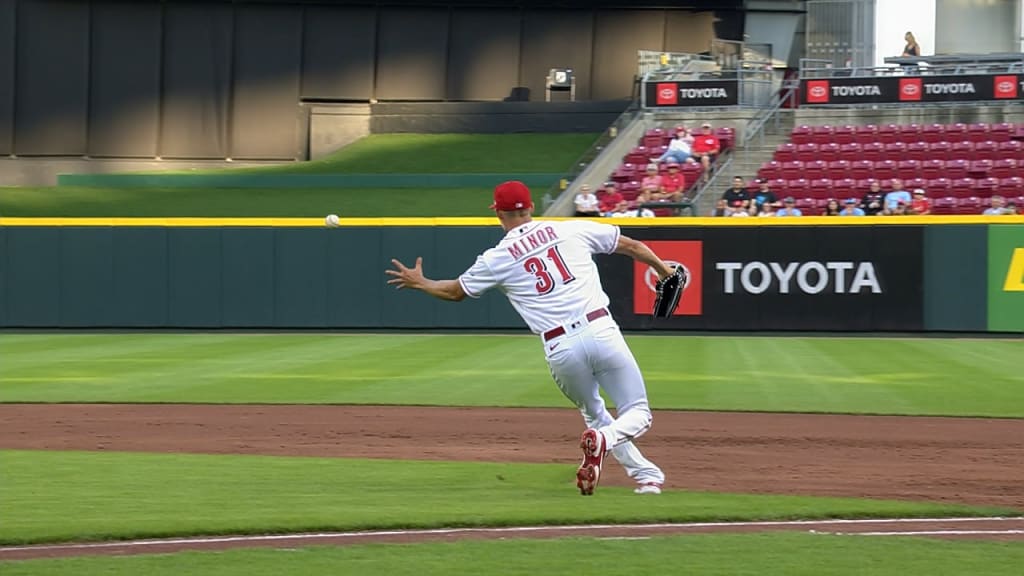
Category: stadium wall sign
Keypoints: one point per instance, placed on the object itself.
(691, 94)
(898, 89)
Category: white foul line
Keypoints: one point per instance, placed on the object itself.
(926, 533)
(499, 530)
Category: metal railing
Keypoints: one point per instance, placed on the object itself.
(824, 69)
(650, 61)
(755, 128)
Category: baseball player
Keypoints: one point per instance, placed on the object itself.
(547, 271)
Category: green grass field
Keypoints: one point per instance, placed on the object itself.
(375, 154)
(733, 555)
(860, 375)
(56, 496)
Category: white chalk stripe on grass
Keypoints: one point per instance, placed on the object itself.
(494, 530)
(925, 533)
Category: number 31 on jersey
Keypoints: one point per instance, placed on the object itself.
(537, 266)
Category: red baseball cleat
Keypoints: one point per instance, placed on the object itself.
(589, 474)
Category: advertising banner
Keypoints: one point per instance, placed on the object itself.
(896, 89)
(781, 278)
(1006, 278)
(690, 94)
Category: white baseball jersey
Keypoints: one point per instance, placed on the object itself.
(547, 270)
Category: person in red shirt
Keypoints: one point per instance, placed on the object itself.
(921, 204)
(672, 184)
(706, 146)
(610, 198)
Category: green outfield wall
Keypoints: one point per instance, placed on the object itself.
(296, 273)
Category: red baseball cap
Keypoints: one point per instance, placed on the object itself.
(511, 195)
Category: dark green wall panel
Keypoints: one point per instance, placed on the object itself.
(355, 276)
(956, 274)
(248, 276)
(33, 276)
(86, 276)
(194, 287)
(457, 249)
(300, 292)
(140, 285)
(403, 308)
(4, 275)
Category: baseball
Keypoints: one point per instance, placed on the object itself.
(332, 221)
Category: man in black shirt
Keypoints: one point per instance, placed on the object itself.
(763, 196)
(874, 201)
(738, 193)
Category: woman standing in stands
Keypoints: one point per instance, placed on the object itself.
(911, 50)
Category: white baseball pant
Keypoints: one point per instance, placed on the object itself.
(594, 356)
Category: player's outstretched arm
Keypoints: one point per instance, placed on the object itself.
(640, 251)
(405, 277)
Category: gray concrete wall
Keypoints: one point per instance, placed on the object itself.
(334, 126)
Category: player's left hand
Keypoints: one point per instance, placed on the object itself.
(405, 277)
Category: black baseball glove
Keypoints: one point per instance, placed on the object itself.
(667, 293)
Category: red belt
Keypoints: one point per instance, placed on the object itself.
(591, 316)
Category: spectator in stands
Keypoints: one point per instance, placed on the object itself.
(611, 199)
(920, 205)
(1011, 208)
(789, 208)
(767, 209)
(902, 209)
(898, 195)
(586, 202)
(686, 134)
(672, 183)
(831, 208)
(706, 147)
(739, 210)
(851, 208)
(764, 197)
(738, 193)
(873, 202)
(997, 208)
(651, 181)
(911, 50)
(679, 150)
(721, 208)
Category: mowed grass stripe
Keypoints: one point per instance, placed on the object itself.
(858, 375)
(696, 555)
(63, 496)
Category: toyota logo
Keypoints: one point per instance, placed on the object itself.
(910, 89)
(651, 277)
(667, 92)
(1004, 86)
(818, 91)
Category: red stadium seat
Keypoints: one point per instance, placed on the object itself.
(986, 187)
(828, 152)
(969, 205)
(977, 132)
(807, 206)
(815, 169)
(807, 152)
(979, 168)
(908, 169)
(844, 134)
(939, 186)
(910, 132)
(917, 151)
(822, 134)
(845, 187)
(770, 170)
(839, 168)
(933, 133)
(888, 133)
(944, 205)
(726, 136)
(793, 170)
(962, 149)
(934, 168)
(850, 151)
(1005, 168)
(955, 168)
(895, 151)
(986, 150)
(624, 173)
(800, 135)
(1000, 132)
(955, 132)
(865, 184)
(779, 186)
(963, 187)
(798, 187)
(939, 149)
(911, 183)
(821, 188)
(867, 134)
(638, 155)
(862, 169)
(1013, 186)
(873, 151)
(1012, 149)
(785, 152)
(885, 170)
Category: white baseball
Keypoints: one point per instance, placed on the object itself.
(332, 221)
